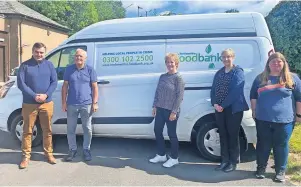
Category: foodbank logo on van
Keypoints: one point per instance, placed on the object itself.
(207, 56)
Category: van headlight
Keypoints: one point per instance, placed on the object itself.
(5, 88)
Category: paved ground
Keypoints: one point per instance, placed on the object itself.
(120, 162)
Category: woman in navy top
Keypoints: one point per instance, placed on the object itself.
(275, 94)
(227, 97)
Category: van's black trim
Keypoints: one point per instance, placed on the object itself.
(124, 120)
(112, 120)
(198, 88)
(157, 37)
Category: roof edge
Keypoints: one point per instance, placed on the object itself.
(64, 29)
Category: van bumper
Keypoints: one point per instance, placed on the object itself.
(3, 121)
(249, 127)
(5, 111)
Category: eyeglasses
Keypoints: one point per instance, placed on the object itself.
(275, 61)
(227, 57)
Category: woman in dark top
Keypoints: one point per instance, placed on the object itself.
(166, 109)
(227, 97)
(276, 105)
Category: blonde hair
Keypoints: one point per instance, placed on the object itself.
(285, 75)
(229, 51)
(174, 57)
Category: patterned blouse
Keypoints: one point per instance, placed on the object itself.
(222, 86)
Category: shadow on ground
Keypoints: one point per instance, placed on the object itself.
(134, 153)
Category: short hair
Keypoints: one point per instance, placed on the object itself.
(38, 45)
(174, 57)
(229, 51)
(81, 50)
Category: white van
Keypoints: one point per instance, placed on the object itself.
(128, 55)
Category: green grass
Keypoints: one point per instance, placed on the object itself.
(296, 177)
(294, 161)
(294, 164)
(294, 168)
(295, 141)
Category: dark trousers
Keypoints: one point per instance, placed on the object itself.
(228, 126)
(273, 135)
(162, 117)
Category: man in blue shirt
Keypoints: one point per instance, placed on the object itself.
(37, 79)
(80, 84)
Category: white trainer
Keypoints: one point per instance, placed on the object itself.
(158, 158)
(171, 162)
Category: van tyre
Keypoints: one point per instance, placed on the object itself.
(207, 142)
(17, 130)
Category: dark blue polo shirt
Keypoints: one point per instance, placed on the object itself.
(36, 78)
(80, 84)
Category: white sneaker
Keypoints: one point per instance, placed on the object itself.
(158, 158)
(171, 162)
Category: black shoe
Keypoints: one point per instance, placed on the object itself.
(260, 172)
(280, 176)
(230, 167)
(87, 155)
(221, 166)
(71, 155)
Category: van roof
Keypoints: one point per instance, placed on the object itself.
(198, 25)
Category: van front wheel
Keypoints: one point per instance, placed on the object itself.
(208, 142)
(17, 131)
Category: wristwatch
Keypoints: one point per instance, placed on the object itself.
(95, 103)
(298, 115)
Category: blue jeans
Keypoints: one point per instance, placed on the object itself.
(86, 118)
(273, 135)
(162, 117)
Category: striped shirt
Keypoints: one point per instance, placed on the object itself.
(169, 92)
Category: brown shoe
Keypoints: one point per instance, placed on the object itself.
(51, 160)
(24, 163)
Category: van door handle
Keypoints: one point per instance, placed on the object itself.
(103, 82)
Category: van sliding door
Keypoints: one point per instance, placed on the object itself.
(128, 73)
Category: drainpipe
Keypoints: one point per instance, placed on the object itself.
(20, 35)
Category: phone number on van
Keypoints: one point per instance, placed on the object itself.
(139, 58)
